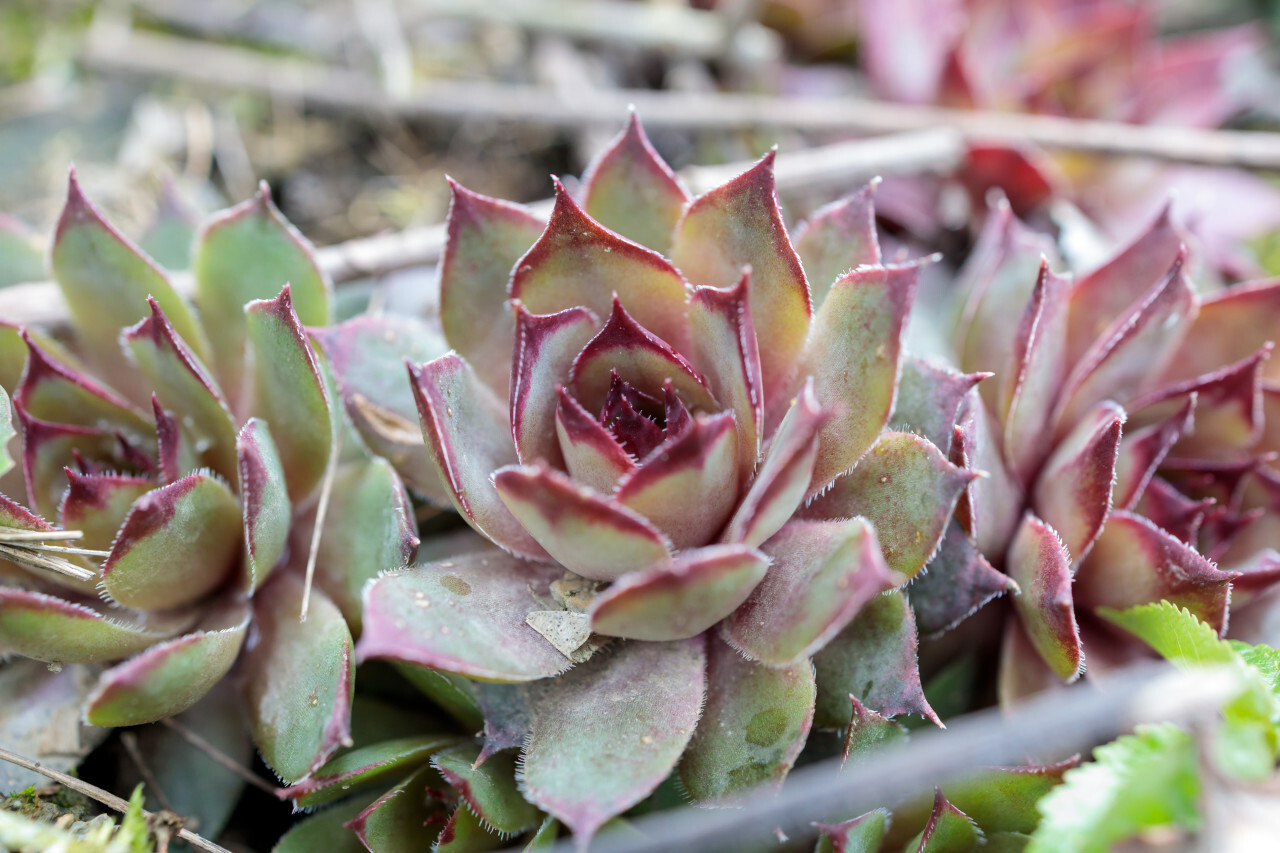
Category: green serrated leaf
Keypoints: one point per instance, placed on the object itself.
(1173, 632)
(1142, 781)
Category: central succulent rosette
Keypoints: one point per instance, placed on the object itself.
(678, 446)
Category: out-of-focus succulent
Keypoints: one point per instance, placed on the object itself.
(1126, 444)
(685, 471)
(174, 458)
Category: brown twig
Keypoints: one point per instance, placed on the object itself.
(129, 741)
(107, 798)
(219, 756)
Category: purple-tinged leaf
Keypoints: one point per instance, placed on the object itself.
(1135, 347)
(739, 225)
(1105, 294)
(867, 732)
(929, 398)
(53, 392)
(990, 508)
(630, 189)
(1073, 491)
(290, 393)
(592, 455)
(874, 660)
(485, 239)
(299, 678)
(508, 713)
(585, 762)
(949, 830)
(852, 354)
(106, 280)
(696, 590)
(465, 615)
(247, 253)
(838, 238)
(579, 263)
(1023, 671)
(907, 489)
(1141, 452)
(48, 447)
(97, 504)
(545, 348)
(464, 832)
(1232, 325)
(725, 350)
(52, 629)
(177, 545)
(1134, 562)
(823, 573)
(182, 384)
(398, 440)
(588, 533)
(783, 479)
(170, 677)
(754, 723)
(688, 487)
(863, 834)
(364, 766)
(265, 507)
(638, 357)
(175, 452)
(407, 817)
(624, 416)
(468, 437)
(1040, 564)
(957, 582)
(1172, 511)
(1036, 371)
(488, 789)
(368, 530)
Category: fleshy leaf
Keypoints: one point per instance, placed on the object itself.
(1232, 324)
(838, 238)
(97, 504)
(689, 486)
(169, 677)
(990, 509)
(290, 393)
(873, 659)
(51, 629)
(578, 262)
(106, 280)
(407, 817)
(369, 529)
(632, 190)
(1040, 564)
(485, 239)
(175, 452)
(725, 350)
(585, 762)
(949, 830)
(753, 725)
(1134, 562)
(1144, 781)
(592, 455)
(1073, 490)
(468, 436)
(907, 489)
(265, 507)
(365, 766)
(929, 399)
(852, 354)
(176, 545)
(588, 533)
(181, 384)
(1023, 672)
(739, 225)
(489, 790)
(247, 253)
(47, 447)
(54, 392)
(957, 582)
(465, 615)
(638, 357)
(674, 602)
(823, 573)
(298, 679)
(545, 348)
(783, 479)
(867, 732)
(327, 830)
(863, 834)
(464, 832)
(1141, 452)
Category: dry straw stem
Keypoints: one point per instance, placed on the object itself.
(41, 303)
(107, 798)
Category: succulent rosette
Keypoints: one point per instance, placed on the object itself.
(174, 458)
(1124, 442)
(678, 447)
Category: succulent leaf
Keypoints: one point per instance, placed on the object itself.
(1141, 452)
(823, 573)
(365, 766)
(488, 789)
(545, 349)
(753, 726)
(1232, 325)
(264, 499)
(862, 834)
(592, 455)
(867, 732)
(957, 582)
(48, 628)
(97, 504)
(1085, 459)
(838, 238)
(1040, 563)
(929, 398)
(992, 505)
(949, 830)
(585, 762)
(404, 818)
(57, 393)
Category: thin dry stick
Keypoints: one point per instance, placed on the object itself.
(322, 510)
(219, 756)
(130, 742)
(107, 798)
